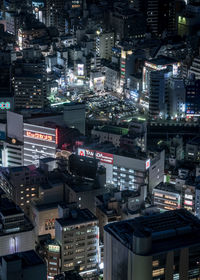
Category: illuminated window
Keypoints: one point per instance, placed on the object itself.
(33, 189)
(69, 264)
(22, 197)
(158, 272)
(33, 194)
(155, 263)
(27, 189)
(27, 201)
(27, 195)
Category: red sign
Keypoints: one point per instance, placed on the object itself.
(40, 136)
(103, 157)
(188, 202)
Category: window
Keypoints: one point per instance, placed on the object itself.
(158, 272)
(69, 264)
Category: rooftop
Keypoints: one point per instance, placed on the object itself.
(78, 216)
(162, 60)
(169, 230)
(112, 129)
(167, 187)
(28, 258)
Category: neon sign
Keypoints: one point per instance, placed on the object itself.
(103, 157)
(39, 136)
(147, 164)
(4, 105)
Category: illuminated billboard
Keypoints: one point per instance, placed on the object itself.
(80, 69)
(54, 248)
(103, 157)
(5, 105)
(40, 136)
(147, 164)
(188, 202)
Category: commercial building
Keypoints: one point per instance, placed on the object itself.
(192, 98)
(39, 142)
(43, 218)
(167, 197)
(25, 265)
(158, 94)
(127, 23)
(16, 230)
(104, 44)
(55, 14)
(21, 184)
(77, 233)
(164, 246)
(13, 153)
(52, 257)
(117, 206)
(128, 170)
(176, 97)
(158, 64)
(29, 83)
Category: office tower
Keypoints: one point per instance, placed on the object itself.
(55, 11)
(29, 85)
(161, 16)
(16, 231)
(176, 97)
(161, 246)
(74, 116)
(127, 23)
(77, 233)
(25, 265)
(192, 98)
(158, 94)
(104, 44)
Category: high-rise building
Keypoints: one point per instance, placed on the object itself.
(104, 44)
(29, 84)
(25, 265)
(158, 94)
(78, 234)
(192, 98)
(161, 16)
(127, 23)
(176, 97)
(55, 14)
(161, 246)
